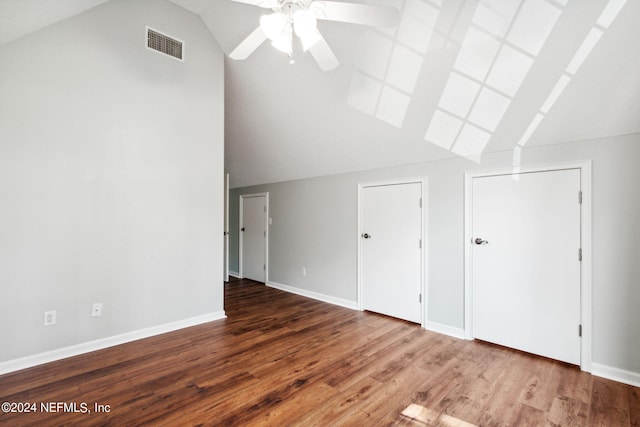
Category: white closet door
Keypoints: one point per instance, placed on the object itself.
(253, 229)
(391, 254)
(526, 267)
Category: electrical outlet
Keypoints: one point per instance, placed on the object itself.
(49, 318)
(96, 309)
(303, 272)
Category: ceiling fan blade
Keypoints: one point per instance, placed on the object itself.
(267, 4)
(248, 45)
(323, 55)
(378, 16)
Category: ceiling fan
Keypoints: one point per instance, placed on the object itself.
(299, 18)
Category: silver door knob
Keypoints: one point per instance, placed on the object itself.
(366, 235)
(479, 241)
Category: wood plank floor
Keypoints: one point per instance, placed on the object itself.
(281, 359)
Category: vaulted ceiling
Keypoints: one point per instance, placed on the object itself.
(454, 78)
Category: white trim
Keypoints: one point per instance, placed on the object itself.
(359, 255)
(78, 349)
(425, 252)
(398, 181)
(616, 374)
(241, 234)
(423, 181)
(226, 228)
(468, 292)
(586, 265)
(468, 232)
(240, 237)
(234, 274)
(585, 232)
(315, 295)
(266, 237)
(445, 329)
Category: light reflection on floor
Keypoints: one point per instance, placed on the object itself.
(429, 416)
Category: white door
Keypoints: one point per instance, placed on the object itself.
(391, 249)
(253, 232)
(525, 260)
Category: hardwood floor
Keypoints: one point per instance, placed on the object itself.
(281, 359)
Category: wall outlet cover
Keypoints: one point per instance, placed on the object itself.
(49, 318)
(96, 309)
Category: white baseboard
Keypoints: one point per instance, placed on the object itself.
(445, 329)
(75, 350)
(234, 274)
(616, 374)
(314, 295)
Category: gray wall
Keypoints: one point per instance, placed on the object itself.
(315, 226)
(111, 177)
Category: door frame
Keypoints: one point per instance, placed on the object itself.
(585, 236)
(266, 237)
(423, 258)
(226, 228)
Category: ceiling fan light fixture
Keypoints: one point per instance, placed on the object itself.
(283, 43)
(275, 26)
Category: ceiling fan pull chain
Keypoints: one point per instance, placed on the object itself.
(291, 60)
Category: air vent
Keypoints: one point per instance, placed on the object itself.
(164, 44)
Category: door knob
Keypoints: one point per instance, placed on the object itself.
(242, 229)
(366, 235)
(479, 241)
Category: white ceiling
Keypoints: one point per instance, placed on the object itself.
(22, 17)
(456, 77)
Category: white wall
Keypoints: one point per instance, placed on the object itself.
(315, 226)
(111, 177)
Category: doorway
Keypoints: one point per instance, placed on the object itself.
(527, 247)
(254, 235)
(391, 250)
